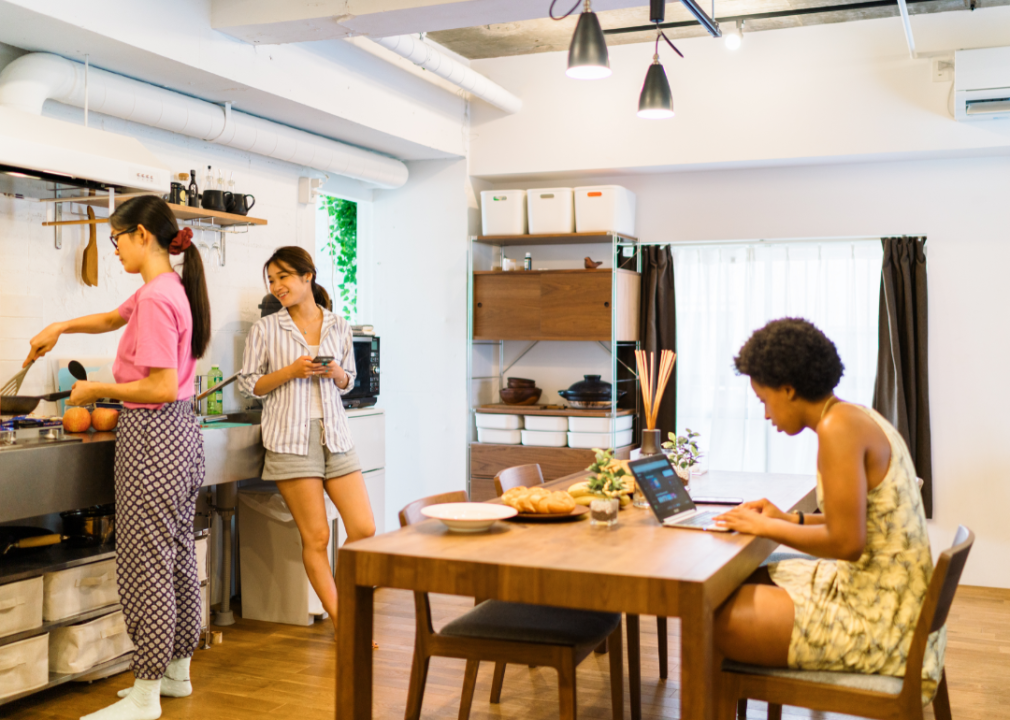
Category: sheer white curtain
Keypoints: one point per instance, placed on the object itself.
(726, 292)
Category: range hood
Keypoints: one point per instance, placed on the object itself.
(35, 146)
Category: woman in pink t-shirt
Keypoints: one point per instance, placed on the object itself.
(159, 449)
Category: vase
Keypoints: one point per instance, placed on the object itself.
(685, 476)
(603, 512)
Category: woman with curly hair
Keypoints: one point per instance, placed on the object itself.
(852, 607)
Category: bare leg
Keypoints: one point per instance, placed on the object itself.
(304, 498)
(755, 625)
(349, 495)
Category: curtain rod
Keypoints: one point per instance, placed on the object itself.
(682, 243)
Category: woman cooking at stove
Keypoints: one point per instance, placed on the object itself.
(305, 431)
(159, 449)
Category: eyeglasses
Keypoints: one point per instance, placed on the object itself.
(114, 237)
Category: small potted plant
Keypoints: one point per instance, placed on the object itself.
(683, 453)
(607, 483)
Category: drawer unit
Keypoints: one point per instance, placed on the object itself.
(24, 666)
(20, 606)
(76, 590)
(369, 435)
(555, 305)
(78, 648)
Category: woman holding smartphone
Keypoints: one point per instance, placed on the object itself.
(159, 464)
(299, 361)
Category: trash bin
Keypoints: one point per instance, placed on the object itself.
(275, 587)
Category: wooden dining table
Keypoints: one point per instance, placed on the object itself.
(636, 567)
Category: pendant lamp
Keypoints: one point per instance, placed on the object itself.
(656, 101)
(587, 55)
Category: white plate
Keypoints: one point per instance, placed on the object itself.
(468, 517)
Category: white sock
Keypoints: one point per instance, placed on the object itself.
(142, 702)
(176, 681)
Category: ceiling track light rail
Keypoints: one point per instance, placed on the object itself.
(867, 5)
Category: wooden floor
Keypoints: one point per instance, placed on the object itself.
(286, 673)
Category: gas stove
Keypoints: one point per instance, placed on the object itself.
(21, 432)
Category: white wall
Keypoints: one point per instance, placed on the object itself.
(960, 206)
(40, 284)
(835, 92)
(415, 285)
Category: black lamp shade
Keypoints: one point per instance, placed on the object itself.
(656, 100)
(587, 55)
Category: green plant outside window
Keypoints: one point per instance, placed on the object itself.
(342, 249)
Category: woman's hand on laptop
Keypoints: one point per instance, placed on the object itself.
(751, 517)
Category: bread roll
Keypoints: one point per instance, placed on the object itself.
(538, 500)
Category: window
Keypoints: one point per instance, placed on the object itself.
(337, 253)
(724, 293)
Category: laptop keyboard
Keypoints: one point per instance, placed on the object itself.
(700, 520)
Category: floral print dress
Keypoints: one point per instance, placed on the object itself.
(860, 616)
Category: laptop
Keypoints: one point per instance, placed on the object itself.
(669, 500)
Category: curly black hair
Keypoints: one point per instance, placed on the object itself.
(792, 351)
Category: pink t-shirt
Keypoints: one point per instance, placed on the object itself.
(159, 327)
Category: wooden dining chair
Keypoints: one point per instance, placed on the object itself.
(518, 476)
(869, 696)
(510, 633)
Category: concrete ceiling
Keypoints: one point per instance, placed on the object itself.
(546, 35)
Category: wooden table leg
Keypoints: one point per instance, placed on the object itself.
(354, 643)
(697, 657)
(634, 665)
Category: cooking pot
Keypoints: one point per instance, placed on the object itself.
(590, 389)
(94, 525)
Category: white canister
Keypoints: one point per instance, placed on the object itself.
(600, 424)
(497, 421)
(541, 438)
(499, 437)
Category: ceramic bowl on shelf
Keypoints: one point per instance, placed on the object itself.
(468, 517)
(514, 382)
(520, 395)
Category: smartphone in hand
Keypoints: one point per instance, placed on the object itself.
(323, 360)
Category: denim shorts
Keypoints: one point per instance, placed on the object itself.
(319, 463)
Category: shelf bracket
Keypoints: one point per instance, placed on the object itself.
(626, 367)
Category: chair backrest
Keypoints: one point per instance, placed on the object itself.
(518, 476)
(412, 512)
(935, 607)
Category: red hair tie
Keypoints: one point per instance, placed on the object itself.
(181, 242)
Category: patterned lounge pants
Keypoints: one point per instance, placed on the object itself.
(159, 470)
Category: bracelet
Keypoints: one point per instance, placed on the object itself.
(800, 513)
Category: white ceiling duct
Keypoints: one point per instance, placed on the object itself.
(30, 80)
(422, 54)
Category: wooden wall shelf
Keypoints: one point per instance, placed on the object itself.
(555, 411)
(554, 239)
(181, 212)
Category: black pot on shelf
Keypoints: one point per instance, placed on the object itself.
(590, 389)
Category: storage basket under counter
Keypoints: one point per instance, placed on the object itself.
(61, 619)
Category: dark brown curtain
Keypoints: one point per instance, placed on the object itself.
(902, 391)
(658, 330)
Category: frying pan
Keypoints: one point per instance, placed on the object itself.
(89, 527)
(24, 404)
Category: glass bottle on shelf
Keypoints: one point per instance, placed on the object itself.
(193, 192)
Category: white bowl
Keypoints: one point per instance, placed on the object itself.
(468, 517)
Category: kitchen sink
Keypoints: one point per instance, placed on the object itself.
(233, 452)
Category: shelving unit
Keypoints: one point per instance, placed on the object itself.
(221, 223)
(527, 292)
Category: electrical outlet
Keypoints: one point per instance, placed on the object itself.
(943, 69)
(628, 251)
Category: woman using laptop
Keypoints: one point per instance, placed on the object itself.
(852, 607)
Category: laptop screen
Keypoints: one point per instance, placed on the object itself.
(661, 486)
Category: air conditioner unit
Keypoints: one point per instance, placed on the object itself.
(982, 84)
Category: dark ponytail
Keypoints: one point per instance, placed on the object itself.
(297, 260)
(155, 215)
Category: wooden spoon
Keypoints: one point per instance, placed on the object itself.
(89, 269)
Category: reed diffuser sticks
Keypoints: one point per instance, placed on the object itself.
(653, 387)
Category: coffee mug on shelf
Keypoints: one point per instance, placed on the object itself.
(216, 200)
(240, 204)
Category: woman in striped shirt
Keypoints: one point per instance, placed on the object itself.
(305, 432)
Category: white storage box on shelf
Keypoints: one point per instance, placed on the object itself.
(20, 606)
(547, 423)
(78, 648)
(545, 438)
(605, 208)
(76, 590)
(598, 440)
(600, 424)
(275, 587)
(551, 210)
(492, 421)
(499, 437)
(24, 666)
(503, 212)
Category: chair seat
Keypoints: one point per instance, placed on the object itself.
(518, 622)
(859, 681)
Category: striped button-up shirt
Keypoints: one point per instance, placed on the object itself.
(275, 342)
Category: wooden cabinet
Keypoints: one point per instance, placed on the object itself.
(555, 305)
(486, 460)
